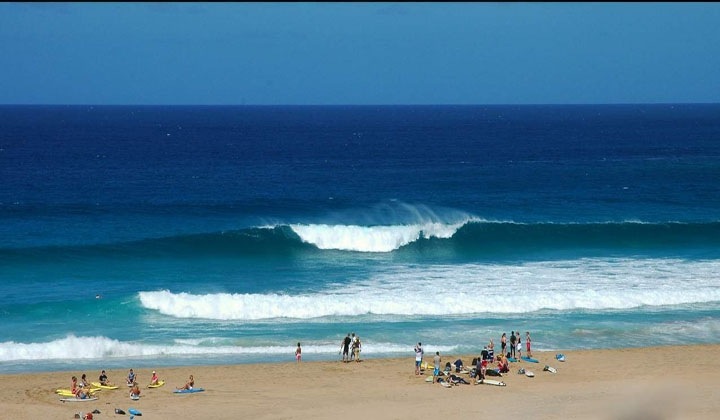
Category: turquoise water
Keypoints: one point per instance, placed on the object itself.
(151, 236)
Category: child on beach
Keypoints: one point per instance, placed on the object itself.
(298, 353)
(135, 391)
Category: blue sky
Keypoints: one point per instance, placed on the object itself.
(359, 53)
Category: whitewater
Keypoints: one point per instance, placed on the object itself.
(248, 229)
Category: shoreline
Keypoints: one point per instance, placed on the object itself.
(665, 382)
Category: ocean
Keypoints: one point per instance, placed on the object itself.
(150, 236)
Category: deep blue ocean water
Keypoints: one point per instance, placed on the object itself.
(152, 236)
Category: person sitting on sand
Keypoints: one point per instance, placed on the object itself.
(83, 381)
(74, 385)
(503, 364)
(189, 384)
(131, 378)
(103, 379)
(135, 390)
(82, 394)
(454, 379)
(154, 379)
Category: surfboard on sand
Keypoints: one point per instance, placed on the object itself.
(530, 359)
(158, 385)
(188, 391)
(74, 399)
(98, 385)
(491, 382)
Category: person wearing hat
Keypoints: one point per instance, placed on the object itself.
(154, 380)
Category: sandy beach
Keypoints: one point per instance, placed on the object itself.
(646, 383)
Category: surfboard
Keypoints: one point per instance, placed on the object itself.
(491, 382)
(68, 393)
(158, 385)
(512, 359)
(78, 399)
(99, 385)
(530, 359)
(188, 391)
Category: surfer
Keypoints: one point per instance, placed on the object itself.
(418, 357)
(356, 346)
(346, 348)
(513, 340)
(154, 379)
(527, 343)
(74, 385)
(103, 379)
(135, 391)
(131, 378)
(189, 384)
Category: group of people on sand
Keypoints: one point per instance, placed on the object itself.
(487, 356)
(515, 348)
(82, 389)
(350, 348)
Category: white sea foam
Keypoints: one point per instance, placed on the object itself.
(105, 348)
(372, 238)
(594, 284)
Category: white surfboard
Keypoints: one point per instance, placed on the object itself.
(491, 382)
(78, 399)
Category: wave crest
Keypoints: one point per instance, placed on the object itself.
(372, 238)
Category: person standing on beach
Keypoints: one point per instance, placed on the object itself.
(436, 366)
(418, 357)
(513, 339)
(356, 348)
(353, 339)
(519, 345)
(298, 353)
(527, 343)
(346, 348)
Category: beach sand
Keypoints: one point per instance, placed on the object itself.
(676, 382)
